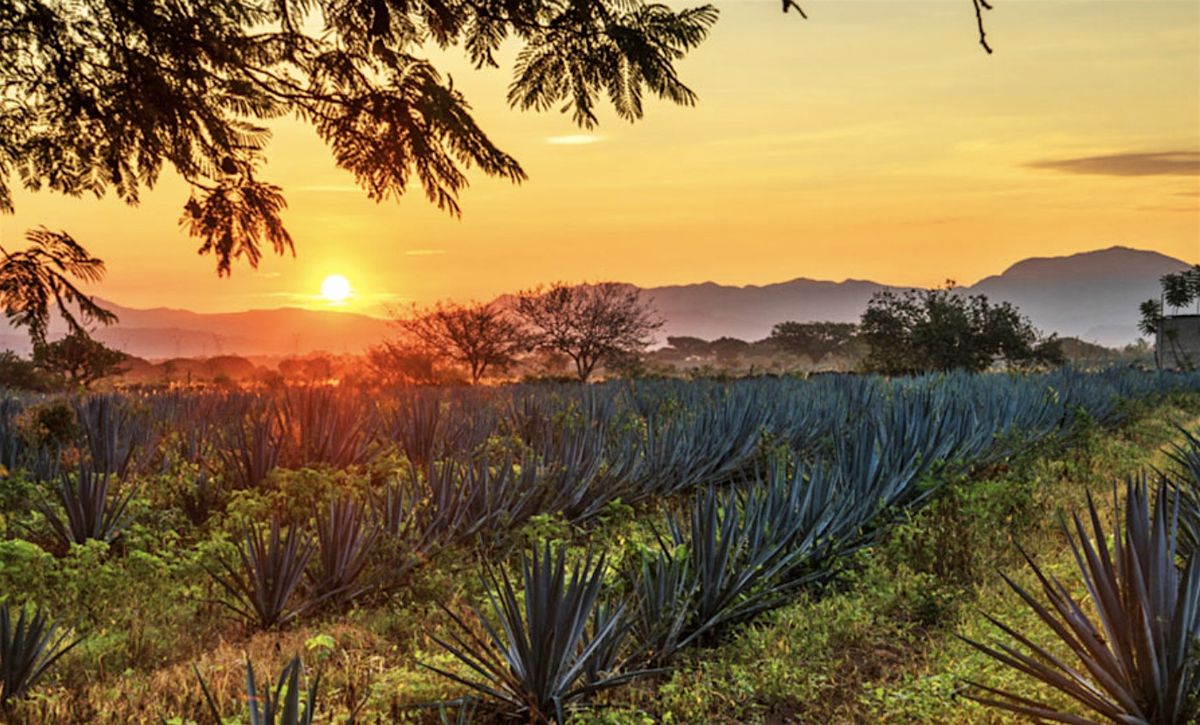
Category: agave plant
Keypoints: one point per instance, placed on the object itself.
(1137, 659)
(283, 706)
(28, 648)
(113, 430)
(271, 569)
(323, 425)
(548, 648)
(252, 442)
(345, 538)
(90, 509)
(1185, 487)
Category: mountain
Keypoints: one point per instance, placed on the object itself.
(1093, 296)
(710, 310)
(171, 333)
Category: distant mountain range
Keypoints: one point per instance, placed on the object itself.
(1093, 296)
(163, 332)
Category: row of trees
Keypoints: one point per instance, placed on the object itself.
(610, 325)
(591, 325)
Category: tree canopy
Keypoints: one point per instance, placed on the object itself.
(479, 336)
(78, 358)
(814, 339)
(918, 331)
(99, 96)
(592, 324)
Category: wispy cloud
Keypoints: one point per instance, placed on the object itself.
(1156, 163)
(577, 139)
(423, 252)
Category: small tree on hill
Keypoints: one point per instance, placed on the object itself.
(481, 337)
(920, 331)
(592, 324)
(79, 359)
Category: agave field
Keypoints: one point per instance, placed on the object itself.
(535, 551)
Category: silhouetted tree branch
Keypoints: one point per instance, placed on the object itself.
(40, 275)
(99, 95)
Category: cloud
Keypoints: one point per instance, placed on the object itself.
(577, 139)
(1156, 163)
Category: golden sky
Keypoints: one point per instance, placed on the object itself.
(875, 140)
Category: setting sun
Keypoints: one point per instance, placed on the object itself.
(336, 289)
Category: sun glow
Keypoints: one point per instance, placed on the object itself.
(336, 289)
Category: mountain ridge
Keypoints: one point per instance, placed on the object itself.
(1091, 295)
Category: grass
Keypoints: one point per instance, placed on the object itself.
(878, 645)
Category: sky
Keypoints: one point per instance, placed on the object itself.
(875, 140)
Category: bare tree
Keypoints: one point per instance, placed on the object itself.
(590, 323)
(478, 336)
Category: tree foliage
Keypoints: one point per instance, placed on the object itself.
(1179, 290)
(814, 339)
(101, 95)
(33, 279)
(17, 373)
(478, 336)
(393, 363)
(589, 323)
(78, 358)
(919, 331)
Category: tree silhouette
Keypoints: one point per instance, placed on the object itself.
(814, 339)
(589, 323)
(35, 277)
(79, 358)
(917, 331)
(478, 336)
(101, 95)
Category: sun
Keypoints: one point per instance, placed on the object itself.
(336, 289)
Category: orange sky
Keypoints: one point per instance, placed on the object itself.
(874, 140)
